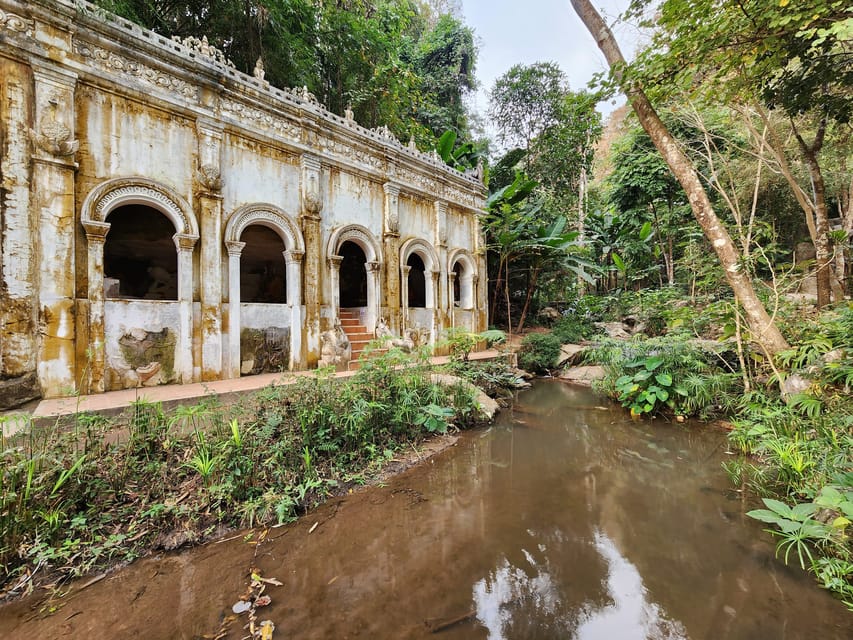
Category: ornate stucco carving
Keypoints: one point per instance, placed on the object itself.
(361, 156)
(204, 48)
(360, 236)
(312, 201)
(269, 216)
(106, 196)
(16, 24)
(209, 177)
(110, 61)
(392, 208)
(258, 118)
(53, 136)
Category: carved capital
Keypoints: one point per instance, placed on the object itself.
(405, 270)
(335, 262)
(234, 247)
(184, 241)
(96, 232)
(373, 267)
(293, 257)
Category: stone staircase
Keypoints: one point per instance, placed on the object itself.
(357, 334)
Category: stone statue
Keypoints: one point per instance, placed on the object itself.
(383, 332)
(335, 347)
(259, 72)
(349, 115)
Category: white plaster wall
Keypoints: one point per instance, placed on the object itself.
(256, 315)
(353, 200)
(416, 219)
(421, 318)
(120, 316)
(463, 319)
(249, 177)
(125, 139)
(459, 231)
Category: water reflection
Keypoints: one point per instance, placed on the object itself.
(632, 614)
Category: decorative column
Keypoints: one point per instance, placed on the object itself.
(444, 300)
(432, 281)
(481, 298)
(334, 263)
(184, 353)
(96, 235)
(52, 193)
(391, 248)
(208, 191)
(235, 249)
(294, 299)
(451, 279)
(405, 270)
(374, 293)
(312, 205)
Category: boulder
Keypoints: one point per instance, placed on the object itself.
(488, 406)
(17, 391)
(794, 384)
(615, 330)
(583, 375)
(569, 354)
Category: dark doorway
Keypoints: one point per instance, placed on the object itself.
(353, 277)
(457, 284)
(417, 281)
(263, 271)
(140, 258)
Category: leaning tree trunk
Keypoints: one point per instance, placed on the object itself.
(763, 328)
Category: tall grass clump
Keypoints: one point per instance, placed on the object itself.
(77, 497)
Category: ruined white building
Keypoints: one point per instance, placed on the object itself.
(165, 218)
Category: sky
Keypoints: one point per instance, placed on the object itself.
(510, 32)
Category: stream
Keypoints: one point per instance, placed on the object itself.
(563, 520)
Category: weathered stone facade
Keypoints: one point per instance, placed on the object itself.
(161, 212)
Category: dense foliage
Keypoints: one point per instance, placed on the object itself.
(400, 63)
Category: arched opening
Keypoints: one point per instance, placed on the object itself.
(353, 276)
(457, 284)
(140, 257)
(417, 281)
(263, 270)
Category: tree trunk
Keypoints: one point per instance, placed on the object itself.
(763, 328)
(531, 285)
(823, 252)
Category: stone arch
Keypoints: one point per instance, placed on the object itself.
(266, 215)
(356, 234)
(364, 240)
(465, 281)
(137, 190)
(98, 204)
(429, 257)
(423, 249)
(275, 219)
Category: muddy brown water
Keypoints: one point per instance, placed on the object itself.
(563, 520)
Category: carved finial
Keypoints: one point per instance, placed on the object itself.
(259, 72)
(412, 145)
(348, 114)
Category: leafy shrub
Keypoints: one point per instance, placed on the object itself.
(669, 372)
(574, 328)
(538, 352)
